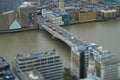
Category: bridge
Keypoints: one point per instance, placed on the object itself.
(75, 42)
(60, 33)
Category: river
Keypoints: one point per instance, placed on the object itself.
(106, 34)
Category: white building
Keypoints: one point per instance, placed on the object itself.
(47, 63)
(55, 18)
(91, 69)
(79, 62)
(52, 17)
(46, 12)
(106, 64)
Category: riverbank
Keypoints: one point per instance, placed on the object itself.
(18, 30)
(99, 20)
(36, 28)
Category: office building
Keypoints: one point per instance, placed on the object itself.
(28, 15)
(106, 64)
(28, 75)
(47, 63)
(79, 62)
(8, 5)
(107, 68)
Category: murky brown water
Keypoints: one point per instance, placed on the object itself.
(107, 34)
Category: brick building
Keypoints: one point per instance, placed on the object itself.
(87, 16)
(28, 15)
(6, 19)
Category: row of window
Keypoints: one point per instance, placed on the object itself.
(38, 64)
(55, 78)
(52, 72)
(49, 70)
(51, 76)
(48, 65)
(38, 60)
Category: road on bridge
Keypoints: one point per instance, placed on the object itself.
(62, 32)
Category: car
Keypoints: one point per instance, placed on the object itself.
(54, 29)
(49, 26)
(60, 32)
(72, 37)
(46, 20)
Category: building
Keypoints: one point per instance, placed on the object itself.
(47, 63)
(45, 13)
(5, 71)
(117, 11)
(34, 2)
(28, 15)
(106, 64)
(65, 18)
(55, 18)
(6, 19)
(108, 14)
(8, 5)
(29, 75)
(61, 6)
(91, 68)
(107, 68)
(84, 16)
(94, 1)
(112, 2)
(52, 17)
(79, 62)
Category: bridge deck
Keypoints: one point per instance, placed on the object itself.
(65, 36)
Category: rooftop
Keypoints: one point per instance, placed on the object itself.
(26, 4)
(29, 56)
(99, 51)
(15, 25)
(80, 48)
(108, 11)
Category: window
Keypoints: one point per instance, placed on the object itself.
(43, 59)
(50, 61)
(50, 58)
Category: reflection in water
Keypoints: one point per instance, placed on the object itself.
(105, 34)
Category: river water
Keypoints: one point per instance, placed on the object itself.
(106, 34)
